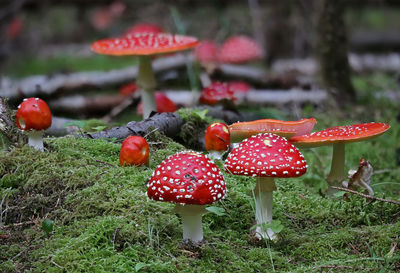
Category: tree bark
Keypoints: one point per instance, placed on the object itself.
(332, 50)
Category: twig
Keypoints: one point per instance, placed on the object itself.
(368, 196)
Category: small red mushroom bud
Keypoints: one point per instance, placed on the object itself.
(163, 104)
(34, 116)
(217, 139)
(127, 89)
(134, 151)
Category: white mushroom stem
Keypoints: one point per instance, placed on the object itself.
(147, 84)
(263, 198)
(191, 221)
(35, 139)
(336, 174)
(215, 154)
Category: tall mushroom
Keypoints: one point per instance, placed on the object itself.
(145, 45)
(191, 180)
(34, 116)
(338, 137)
(265, 156)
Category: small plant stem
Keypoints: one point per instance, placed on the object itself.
(263, 197)
(35, 140)
(336, 174)
(147, 84)
(191, 221)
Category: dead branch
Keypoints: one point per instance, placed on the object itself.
(167, 123)
(368, 196)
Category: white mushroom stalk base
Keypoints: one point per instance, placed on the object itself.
(336, 174)
(191, 221)
(263, 198)
(147, 84)
(35, 140)
(215, 154)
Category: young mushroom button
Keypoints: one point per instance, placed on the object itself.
(190, 180)
(265, 156)
(217, 139)
(134, 151)
(34, 116)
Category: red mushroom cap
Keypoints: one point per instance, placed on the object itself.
(239, 49)
(349, 133)
(288, 129)
(163, 104)
(144, 27)
(127, 89)
(187, 178)
(144, 44)
(33, 114)
(134, 151)
(216, 92)
(206, 52)
(266, 155)
(239, 86)
(217, 137)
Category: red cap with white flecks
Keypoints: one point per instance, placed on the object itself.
(266, 155)
(240, 49)
(33, 114)
(187, 178)
(144, 44)
(349, 133)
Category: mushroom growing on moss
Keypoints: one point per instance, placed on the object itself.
(134, 151)
(265, 156)
(338, 137)
(191, 181)
(145, 45)
(34, 116)
(217, 139)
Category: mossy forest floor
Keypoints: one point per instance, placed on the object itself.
(103, 221)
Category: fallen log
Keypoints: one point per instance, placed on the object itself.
(166, 123)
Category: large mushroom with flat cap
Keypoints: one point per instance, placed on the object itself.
(241, 130)
(191, 181)
(34, 117)
(338, 137)
(145, 45)
(265, 156)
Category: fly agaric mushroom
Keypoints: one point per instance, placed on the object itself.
(265, 156)
(127, 89)
(217, 139)
(34, 116)
(134, 151)
(191, 180)
(288, 129)
(145, 45)
(338, 137)
(163, 104)
(239, 49)
(216, 92)
(144, 27)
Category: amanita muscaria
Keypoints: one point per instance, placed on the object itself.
(217, 139)
(163, 104)
(191, 181)
(217, 92)
(338, 137)
(265, 156)
(134, 151)
(145, 45)
(239, 49)
(288, 129)
(34, 116)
